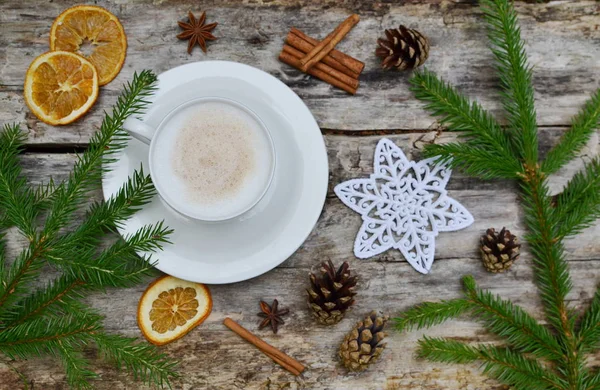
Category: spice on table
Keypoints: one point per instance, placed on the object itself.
(285, 361)
(324, 68)
(171, 307)
(302, 46)
(326, 75)
(196, 31)
(306, 43)
(93, 33)
(68, 94)
(403, 48)
(326, 45)
(330, 65)
(271, 315)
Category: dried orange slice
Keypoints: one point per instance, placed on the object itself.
(94, 33)
(171, 307)
(60, 87)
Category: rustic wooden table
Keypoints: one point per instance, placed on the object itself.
(564, 47)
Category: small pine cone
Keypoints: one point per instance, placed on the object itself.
(331, 293)
(499, 250)
(404, 48)
(362, 346)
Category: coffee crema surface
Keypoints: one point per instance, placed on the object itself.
(216, 159)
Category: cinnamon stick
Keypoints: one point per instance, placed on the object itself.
(323, 67)
(283, 364)
(326, 45)
(304, 46)
(278, 357)
(293, 61)
(352, 63)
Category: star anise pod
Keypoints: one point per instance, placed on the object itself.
(272, 315)
(196, 31)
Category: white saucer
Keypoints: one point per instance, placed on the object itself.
(258, 241)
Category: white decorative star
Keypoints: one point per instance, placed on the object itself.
(404, 205)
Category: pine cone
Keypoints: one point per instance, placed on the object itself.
(331, 294)
(404, 48)
(362, 346)
(499, 250)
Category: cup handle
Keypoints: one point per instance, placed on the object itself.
(139, 130)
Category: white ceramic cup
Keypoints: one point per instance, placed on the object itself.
(148, 135)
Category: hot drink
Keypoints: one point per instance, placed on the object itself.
(216, 159)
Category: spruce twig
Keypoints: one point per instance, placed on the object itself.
(583, 126)
(515, 75)
(51, 319)
(142, 359)
(578, 206)
(490, 152)
(427, 314)
(500, 363)
(589, 329)
(16, 198)
(54, 299)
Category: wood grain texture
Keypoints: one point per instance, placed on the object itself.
(562, 40)
(563, 44)
(214, 358)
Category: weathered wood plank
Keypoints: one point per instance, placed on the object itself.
(493, 203)
(562, 40)
(214, 358)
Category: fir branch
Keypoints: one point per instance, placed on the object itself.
(552, 272)
(588, 334)
(446, 351)
(143, 360)
(20, 200)
(16, 197)
(41, 336)
(508, 48)
(19, 374)
(97, 271)
(516, 370)
(148, 238)
(103, 146)
(512, 323)
(107, 216)
(548, 223)
(591, 382)
(2, 261)
(52, 320)
(117, 266)
(43, 193)
(24, 269)
(131, 197)
(54, 299)
(578, 206)
(473, 160)
(5, 222)
(583, 125)
(76, 367)
(508, 367)
(459, 114)
(428, 314)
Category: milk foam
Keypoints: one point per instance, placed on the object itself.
(215, 159)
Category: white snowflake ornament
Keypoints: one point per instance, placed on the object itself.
(404, 205)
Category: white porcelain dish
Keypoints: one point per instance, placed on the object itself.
(259, 240)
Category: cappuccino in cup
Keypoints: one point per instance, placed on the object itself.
(213, 158)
